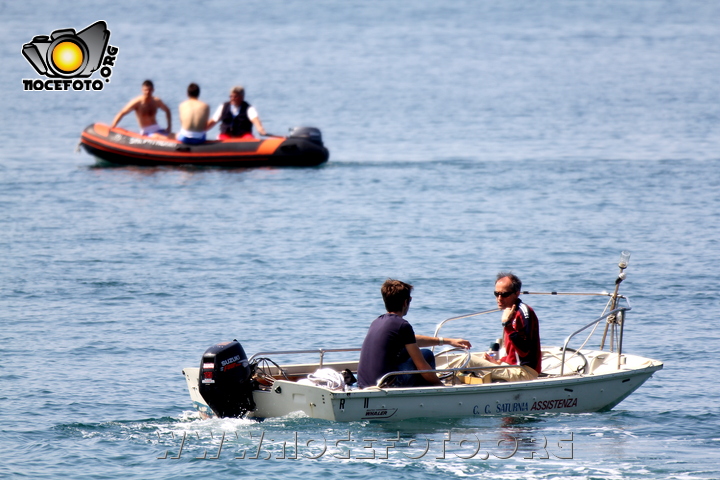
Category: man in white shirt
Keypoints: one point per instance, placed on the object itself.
(236, 117)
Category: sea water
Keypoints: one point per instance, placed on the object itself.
(465, 137)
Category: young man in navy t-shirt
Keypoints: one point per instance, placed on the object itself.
(391, 344)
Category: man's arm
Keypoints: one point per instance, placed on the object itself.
(161, 105)
(215, 118)
(519, 334)
(258, 124)
(421, 364)
(425, 341)
(132, 105)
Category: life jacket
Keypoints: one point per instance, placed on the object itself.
(235, 126)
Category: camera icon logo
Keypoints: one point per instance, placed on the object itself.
(67, 54)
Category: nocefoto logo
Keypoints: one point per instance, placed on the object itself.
(71, 57)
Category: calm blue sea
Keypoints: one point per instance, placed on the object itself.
(466, 137)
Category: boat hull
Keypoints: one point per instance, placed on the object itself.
(576, 393)
(122, 147)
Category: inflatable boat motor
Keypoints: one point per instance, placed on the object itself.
(311, 134)
(226, 380)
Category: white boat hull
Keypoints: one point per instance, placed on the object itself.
(601, 389)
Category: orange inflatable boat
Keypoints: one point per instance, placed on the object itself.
(303, 147)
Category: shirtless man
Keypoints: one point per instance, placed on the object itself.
(146, 107)
(194, 116)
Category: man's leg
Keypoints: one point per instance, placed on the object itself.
(414, 379)
(513, 374)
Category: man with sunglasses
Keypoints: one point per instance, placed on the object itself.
(391, 344)
(521, 331)
(521, 335)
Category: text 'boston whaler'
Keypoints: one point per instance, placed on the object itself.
(227, 384)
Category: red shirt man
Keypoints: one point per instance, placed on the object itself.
(521, 330)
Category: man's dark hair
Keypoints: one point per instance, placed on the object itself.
(515, 284)
(395, 293)
(193, 90)
(148, 83)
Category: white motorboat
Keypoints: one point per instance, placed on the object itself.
(227, 384)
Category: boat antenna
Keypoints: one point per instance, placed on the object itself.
(612, 319)
(600, 294)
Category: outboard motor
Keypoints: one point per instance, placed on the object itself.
(226, 380)
(308, 133)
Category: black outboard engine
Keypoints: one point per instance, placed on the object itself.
(308, 133)
(226, 380)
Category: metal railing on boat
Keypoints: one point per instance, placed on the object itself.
(616, 316)
(454, 371)
(320, 351)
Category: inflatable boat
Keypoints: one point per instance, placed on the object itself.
(303, 147)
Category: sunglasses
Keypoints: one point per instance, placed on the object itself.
(502, 294)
